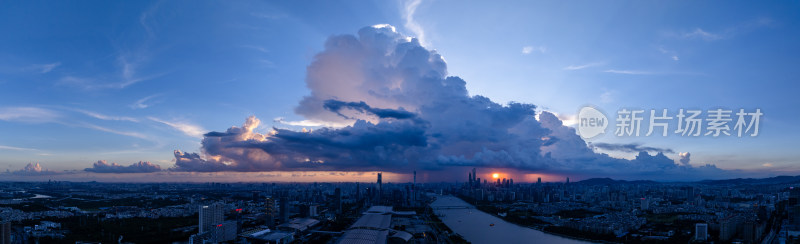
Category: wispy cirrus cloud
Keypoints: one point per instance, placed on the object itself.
(128, 64)
(41, 68)
(583, 66)
(607, 96)
(129, 61)
(10, 148)
(531, 49)
(724, 33)
(408, 11)
(106, 117)
(44, 68)
(628, 72)
(43, 115)
(113, 131)
(702, 34)
(28, 114)
(145, 102)
(272, 16)
(94, 83)
(672, 54)
(257, 48)
(187, 128)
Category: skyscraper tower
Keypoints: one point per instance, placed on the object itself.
(380, 189)
(414, 188)
(5, 232)
(269, 210)
(539, 181)
(473, 174)
(701, 231)
(284, 209)
(338, 202)
(358, 192)
(210, 215)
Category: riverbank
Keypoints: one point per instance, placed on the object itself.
(539, 227)
(480, 227)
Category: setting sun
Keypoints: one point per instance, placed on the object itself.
(495, 175)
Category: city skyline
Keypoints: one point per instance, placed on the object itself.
(255, 91)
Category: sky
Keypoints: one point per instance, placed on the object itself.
(337, 91)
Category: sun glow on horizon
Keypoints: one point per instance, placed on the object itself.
(495, 175)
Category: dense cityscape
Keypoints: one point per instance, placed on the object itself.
(399, 122)
(599, 209)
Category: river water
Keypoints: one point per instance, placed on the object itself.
(474, 225)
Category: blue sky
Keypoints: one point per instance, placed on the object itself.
(133, 81)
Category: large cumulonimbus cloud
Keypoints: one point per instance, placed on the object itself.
(102, 166)
(406, 113)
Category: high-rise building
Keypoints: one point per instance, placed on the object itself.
(284, 209)
(793, 206)
(338, 200)
(750, 231)
(474, 174)
(539, 180)
(567, 180)
(224, 231)
(358, 190)
(728, 228)
(472, 177)
(5, 232)
(645, 203)
(269, 210)
(701, 231)
(313, 211)
(210, 215)
(414, 189)
(380, 189)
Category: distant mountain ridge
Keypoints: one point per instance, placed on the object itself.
(609, 181)
(772, 180)
(738, 181)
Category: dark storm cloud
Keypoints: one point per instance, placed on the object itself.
(335, 106)
(362, 145)
(630, 147)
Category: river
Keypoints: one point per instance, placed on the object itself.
(40, 196)
(474, 225)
